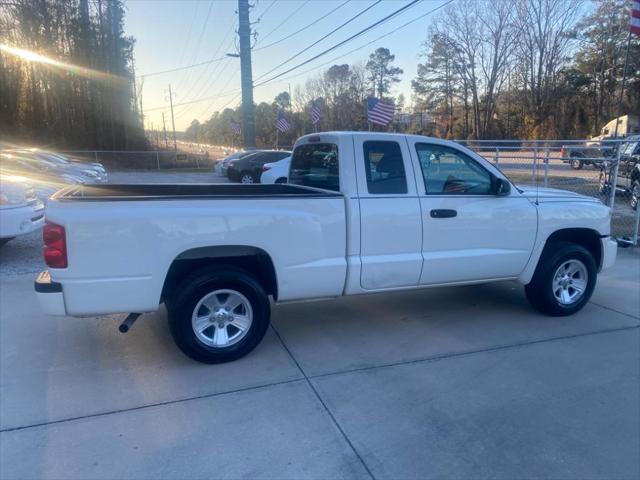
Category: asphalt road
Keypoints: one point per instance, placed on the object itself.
(465, 382)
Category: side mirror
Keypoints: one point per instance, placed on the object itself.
(501, 187)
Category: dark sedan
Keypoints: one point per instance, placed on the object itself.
(249, 168)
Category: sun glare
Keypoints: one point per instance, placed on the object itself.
(30, 56)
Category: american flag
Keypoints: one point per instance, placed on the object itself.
(281, 123)
(635, 17)
(379, 112)
(316, 113)
(235, 127)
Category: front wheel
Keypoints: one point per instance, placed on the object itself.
(219, 314)
(563, 281)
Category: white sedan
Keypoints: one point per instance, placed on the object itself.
(276, 172)
(20, 210)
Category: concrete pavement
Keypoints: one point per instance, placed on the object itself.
(462, 382)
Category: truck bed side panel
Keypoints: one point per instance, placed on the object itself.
(120, 251)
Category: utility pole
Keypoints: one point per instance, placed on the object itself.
(244, 32)
(173, 122)
(164, 130)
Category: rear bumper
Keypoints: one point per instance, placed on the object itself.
(609, 252)
(50, 295)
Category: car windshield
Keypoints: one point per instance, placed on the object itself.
(629, 148)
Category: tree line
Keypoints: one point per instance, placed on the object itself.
(516, 69)
(91, 107)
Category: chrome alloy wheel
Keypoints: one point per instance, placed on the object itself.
(222, 318)
(246, 178)
(570, 282)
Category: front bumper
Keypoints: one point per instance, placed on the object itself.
(609, 252)
(21, 220)
(50, 295)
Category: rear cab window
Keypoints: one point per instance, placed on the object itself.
(315, 165)
(384, 167)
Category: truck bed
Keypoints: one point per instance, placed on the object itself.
(187, 191)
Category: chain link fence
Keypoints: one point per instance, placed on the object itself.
(595, 169)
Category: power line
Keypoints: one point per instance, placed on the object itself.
(303, 28)
(352, 37)
(225, 94)
(235, 92)
(286, 19)
(362, 12)
(266, 10)
(366, 44)
(177, 69)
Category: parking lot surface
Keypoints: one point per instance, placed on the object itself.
(463, 382)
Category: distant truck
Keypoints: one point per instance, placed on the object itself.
(598, 148)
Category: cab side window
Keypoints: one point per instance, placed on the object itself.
(384, 168)
(446, 171)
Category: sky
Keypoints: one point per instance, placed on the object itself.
(176, 33)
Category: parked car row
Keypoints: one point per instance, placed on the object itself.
(28, 177)
(48, 171)
(249, 166)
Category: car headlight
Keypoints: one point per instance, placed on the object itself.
(12, 198)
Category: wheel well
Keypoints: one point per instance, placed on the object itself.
(251, 259)
(585, 237)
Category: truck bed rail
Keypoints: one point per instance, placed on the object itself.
(186, 191)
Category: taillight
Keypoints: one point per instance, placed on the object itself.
(265, 168)
(55, 245)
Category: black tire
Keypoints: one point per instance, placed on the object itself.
(281, 180)
(576, 163)
(194, 288)
(540, 291)
(635, 194)
(4, 241)
(247, 175)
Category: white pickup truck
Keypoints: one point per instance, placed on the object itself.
(363, 213)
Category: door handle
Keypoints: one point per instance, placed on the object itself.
(443, 213)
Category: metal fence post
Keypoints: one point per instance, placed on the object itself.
(496, 156)
(634, 238)
(158, 159)
(546, 167)
(613, 182)
(534, 176)
(95, 154)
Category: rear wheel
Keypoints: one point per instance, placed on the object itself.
(247, 177)
(219, 314)
(576, 163)
(564, 279)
